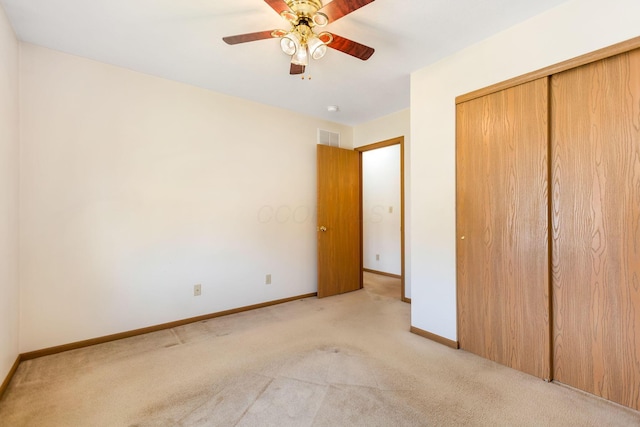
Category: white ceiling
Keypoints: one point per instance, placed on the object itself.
(182, 40)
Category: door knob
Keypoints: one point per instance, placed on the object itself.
(322, 228)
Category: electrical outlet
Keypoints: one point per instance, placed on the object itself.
(377, 257)
(267, 279)
(197, 290)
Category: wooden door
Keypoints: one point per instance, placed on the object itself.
(339, 221)
(596, 227)
(502, 231)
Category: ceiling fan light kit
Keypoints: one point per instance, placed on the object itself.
(290, 43)
(317, 48)
(301, 42)
(300, 57)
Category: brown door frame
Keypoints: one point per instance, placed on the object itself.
(389, 142)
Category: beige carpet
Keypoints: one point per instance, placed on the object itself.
(341, 361)
(383, 285)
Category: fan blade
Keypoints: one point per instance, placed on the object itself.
(249, 37)
(339, 8)
(296, 69)
(278, 5)
(350, 47)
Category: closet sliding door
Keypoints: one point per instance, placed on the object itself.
(595, 145)
(502, 227)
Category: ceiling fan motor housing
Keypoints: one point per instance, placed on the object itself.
(304, 8)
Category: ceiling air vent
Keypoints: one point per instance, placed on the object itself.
(326, 137)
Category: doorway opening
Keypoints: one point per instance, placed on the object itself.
(382, 222)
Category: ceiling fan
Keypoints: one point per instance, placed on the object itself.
(301, 42)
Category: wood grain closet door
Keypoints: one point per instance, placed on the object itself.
(596, 227)
(502, 227)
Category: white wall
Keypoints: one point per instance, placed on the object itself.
(572, 29)
(383, 128)
(134, 188)
(388, 127)
(9, 291)
(381, 209)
